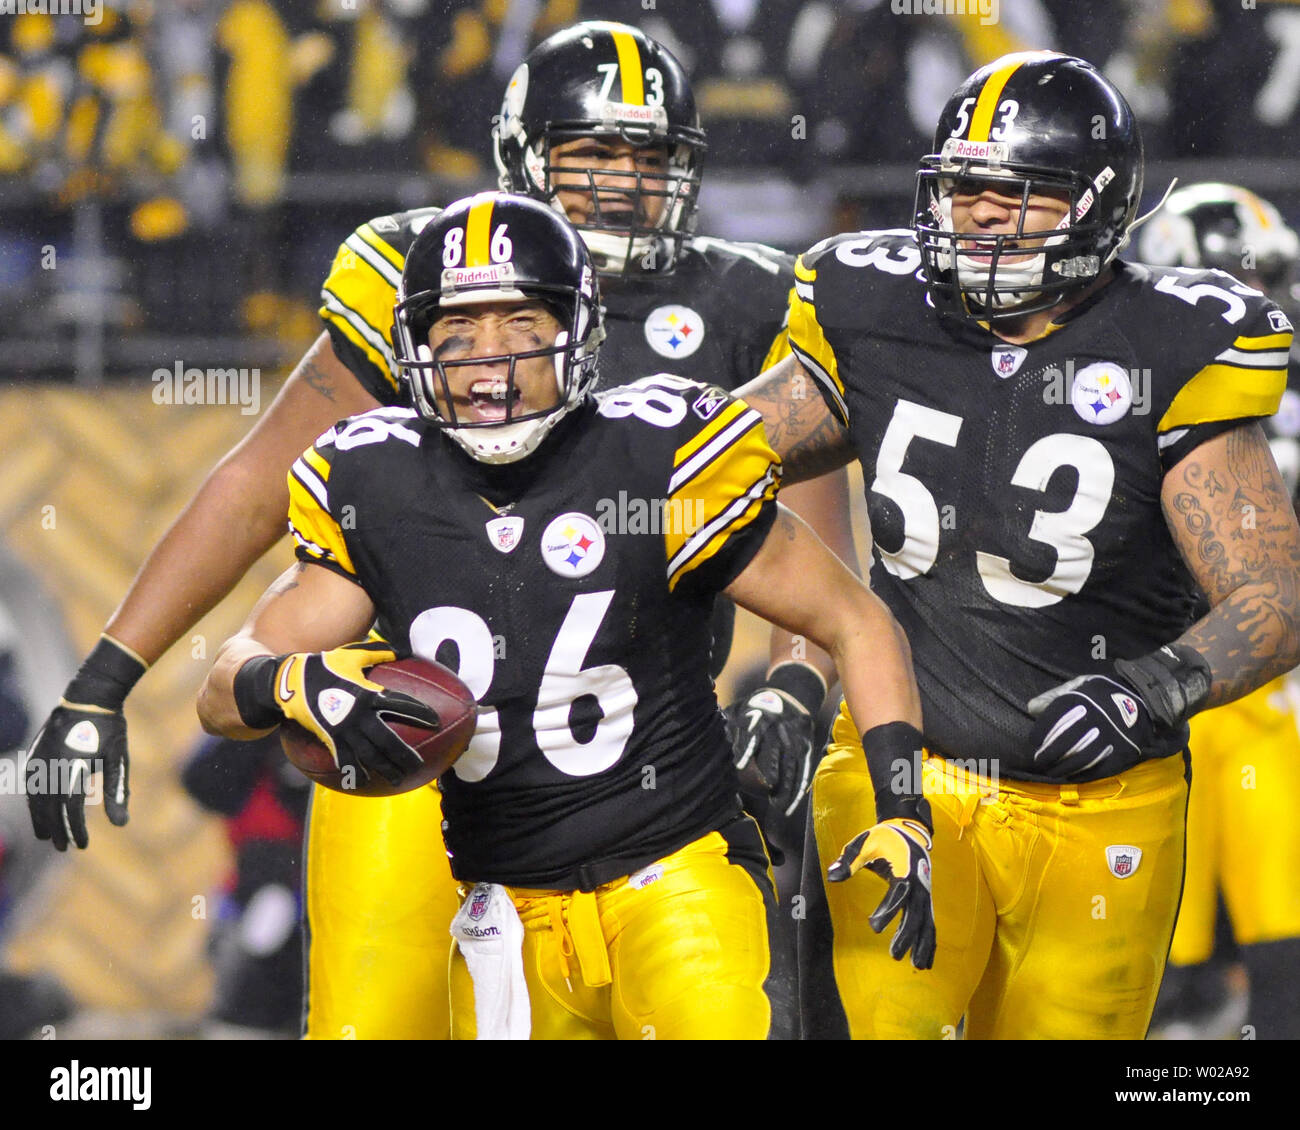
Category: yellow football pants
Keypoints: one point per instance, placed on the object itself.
(380, 900)
(1243, 824)
(1038, 937)
(678, 951)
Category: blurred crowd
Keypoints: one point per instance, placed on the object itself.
(198, 160)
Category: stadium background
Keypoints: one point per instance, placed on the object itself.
(174, 181)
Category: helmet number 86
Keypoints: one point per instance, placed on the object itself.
(453, 246)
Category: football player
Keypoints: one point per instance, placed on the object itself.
(595, 812)
(599, 109)
(1059, 448)
(1242, 838)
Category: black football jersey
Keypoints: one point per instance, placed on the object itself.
(1014, 491)
(717, 317)
(571, 591)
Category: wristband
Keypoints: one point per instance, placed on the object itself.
(1174, 681)
(894, 761)
(801, 682)
(106, 677)
(254, 688)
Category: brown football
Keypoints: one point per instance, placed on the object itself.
(431, 683)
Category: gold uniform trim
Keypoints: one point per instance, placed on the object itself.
(713, 428)
(779, 350)
(373, 239)
(358, 300)
(1265, 343)
(313, 528)
(808, 341)
(721, 496)
(1225, 392)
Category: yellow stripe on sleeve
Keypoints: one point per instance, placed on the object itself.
(1265, 343)
(710, 430)
(313, 527)
(318, 463)
(808, 341)
(357, 300)
(478, 232)
(1225, 392)
(371, 237)
(722, 497)
(629, 68)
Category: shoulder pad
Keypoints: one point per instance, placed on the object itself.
(1230, 343)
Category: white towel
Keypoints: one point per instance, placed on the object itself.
(490, 935)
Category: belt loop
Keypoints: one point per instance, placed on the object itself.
(589, 939)
(563, 942)
(1069, 794)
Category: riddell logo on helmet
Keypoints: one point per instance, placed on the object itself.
(641, 115)
(992, 152)
(455, 277)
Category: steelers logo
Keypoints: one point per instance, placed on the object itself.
(573, 545)
(674, 331)
(1101, 392)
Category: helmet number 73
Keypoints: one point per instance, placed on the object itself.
(1063, 530)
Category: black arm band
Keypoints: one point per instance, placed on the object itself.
(106, 677)
(802, 683)
(894, 762)
(1174, 681)
(255, 693)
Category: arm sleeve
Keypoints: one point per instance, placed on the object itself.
(721, 499)
(1243, 381)
(357, 300)
(808, 342)
(316, 531)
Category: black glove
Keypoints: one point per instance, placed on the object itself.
(897, 847)
(772, 733)
(328, 694)
(85, 734)
(1096, 726)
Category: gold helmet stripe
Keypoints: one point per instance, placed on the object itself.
(478, 231)
(629, 68)
(981, 119)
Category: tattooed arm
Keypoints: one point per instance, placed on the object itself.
(799, 426)
(1232, 520)
(238, 512)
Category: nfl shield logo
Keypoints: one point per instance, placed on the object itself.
(478, 903)
(1123, 859)
(1008, 359)
(504, 533)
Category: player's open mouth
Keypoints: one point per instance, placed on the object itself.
(489, 398)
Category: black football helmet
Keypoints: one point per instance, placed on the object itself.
(1036, 122)
(606, 80)
(1226, 227)
(498, 248)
